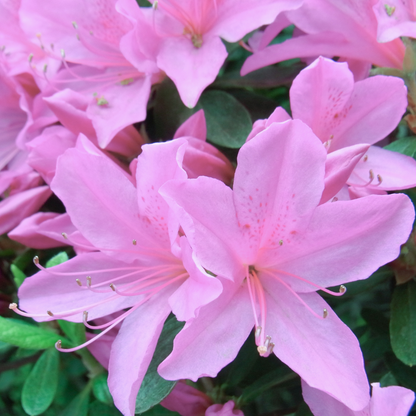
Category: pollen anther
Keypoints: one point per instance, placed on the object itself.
(78, 282)
(325, 314)
(36, 260)
(49, 313)
(13, 306)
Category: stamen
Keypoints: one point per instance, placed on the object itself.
(245, 46)
(257, 332)
(49, 313)
(75, 25)
(325, 314)
(63, 53)
(134, 242)
(88, 282)
(79, 282)
(334, 199)
(113, 288)
(280, 242)
(365, 158)
(85, 317)
(36, 260)
(380, 179)
(65, 235)
(327, 144)
(342, 289)
(30, 57)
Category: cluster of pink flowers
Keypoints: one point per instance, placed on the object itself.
(174, 227)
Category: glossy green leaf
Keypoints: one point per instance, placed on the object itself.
(18, 275)
(61, 257)
(79, 405)
(40, 386)
(406, 146)
(100, 409)
(228, 121)
(100, 389)
(21, 334)
(154, 388)
(403, 322)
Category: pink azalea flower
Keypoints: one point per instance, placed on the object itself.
(139, 262)
(395, 19)
(272, 246)
(90, 35)
(385, 401)
(190, 50)
(332, 28)
(347, 117)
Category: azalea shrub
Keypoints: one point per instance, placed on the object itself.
(207, 207)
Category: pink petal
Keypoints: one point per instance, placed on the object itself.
(133, 350)
(391, 401)
(396, 171)
(344, 241)
(338, 168)
(195, 126)
(211, 340)
(191, 69)
(324, 352)
(26, 232)
(47, 291)
(17, 207)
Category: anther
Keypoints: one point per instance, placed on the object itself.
(75, 25)
(155, 4)
(65, 235)
(36, 260)
(389, 9)
(262, 349)
(380, 179)
(45, 68)
(85, 316)
(49, 313)
(13, 306)
(334, 199)
(342, 289)
(325, 314)
(88, 281)
(101, 101)
(52, 46)
(58, 344)
(257, 332)
(365, 158)
(267, 341)
(113, 287)
(30, 57)
(270, 348)
(63, 53)
(78, 282)
(280, 242)
(134, 242)
(327, 144)
(371, 174)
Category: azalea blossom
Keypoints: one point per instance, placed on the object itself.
(138, 261)
(348, 117)
(189, 33)
(385, 401)
(273, 246)
(331, 28)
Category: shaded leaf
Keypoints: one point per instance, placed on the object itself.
(61, 257)
(100, 389)
(159, 411)
(18, 275)
(40, 386)
(403, 322)
(99, 409)
(404, 374)
(154, 388)
(79, 405)
(228, 121)
(21, 334)
(74, 331)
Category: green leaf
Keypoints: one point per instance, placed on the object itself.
(405, 146)
(404, 374)
(228, 121)
(74, 331)
(79, 405)
(403, 322)
(154, 388)
(100, 389)
(99, 409)
(61, 257)
(388, 380)
(18, 275)
(40, 387)
(159, 411)
(24, 335)
(169, 111)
